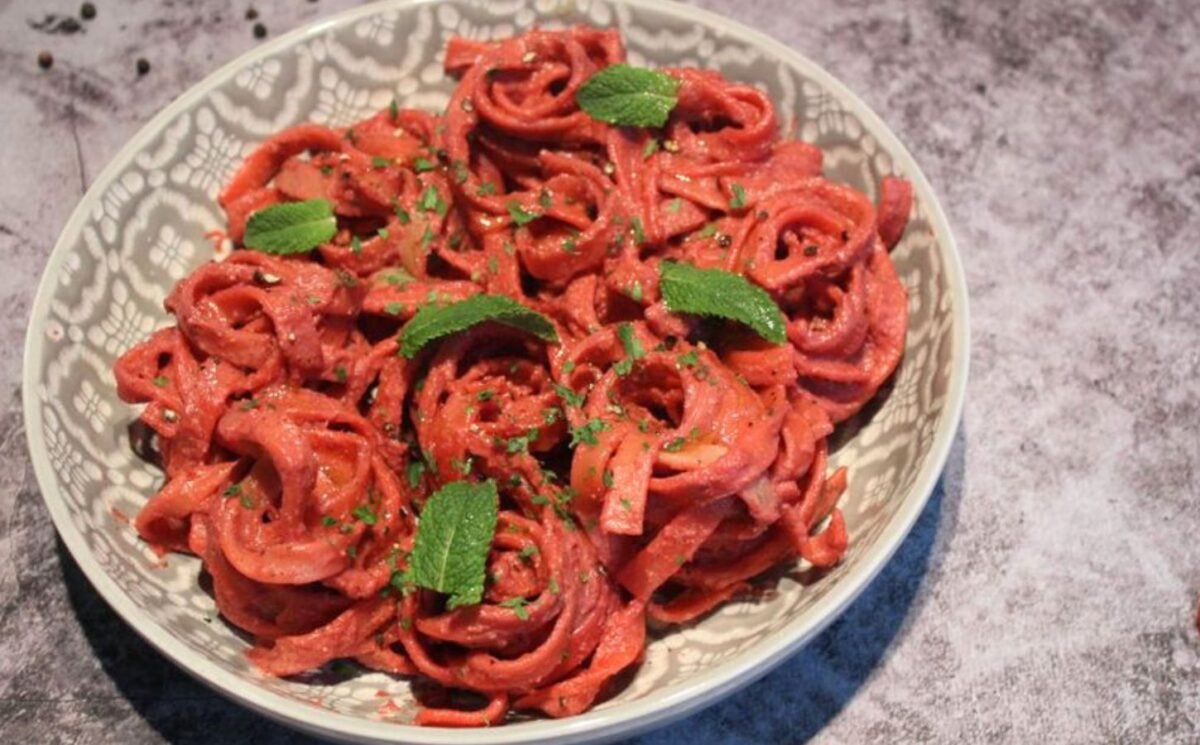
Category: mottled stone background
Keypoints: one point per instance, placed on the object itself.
(1047, 592)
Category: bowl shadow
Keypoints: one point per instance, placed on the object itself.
(176, 706)
(791, 704)
(794, 702)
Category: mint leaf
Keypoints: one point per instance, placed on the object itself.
(715, 292)
(629, 96)
(435, 321)
(290, 227)
(454, 536)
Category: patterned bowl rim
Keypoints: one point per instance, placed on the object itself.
(627, 718)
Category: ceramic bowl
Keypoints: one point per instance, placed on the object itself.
(141, 227)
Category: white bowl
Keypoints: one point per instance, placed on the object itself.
(141, 226)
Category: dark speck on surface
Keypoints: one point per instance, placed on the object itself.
(87, 11)
(57, 24)
(251, 14)
(45, 60)
(260, 31)
(143, 66)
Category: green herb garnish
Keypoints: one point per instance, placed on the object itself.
(586, 432)
(364, 513)
(453, 538)
(715, 292)
(518, 607)
(434, 322)
(520, 215)
(291, 227)
(431, 201)
(571, 397)
(629, 96)
(738, 200)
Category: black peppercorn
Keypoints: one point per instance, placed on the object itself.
(45, 60)
(260, 31)
(251, 14)
(87, 11)
(143, 66)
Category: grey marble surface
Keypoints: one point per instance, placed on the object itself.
(1047, 593)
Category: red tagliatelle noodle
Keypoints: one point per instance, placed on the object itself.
(299, 445)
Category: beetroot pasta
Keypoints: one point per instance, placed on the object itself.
(479, 395)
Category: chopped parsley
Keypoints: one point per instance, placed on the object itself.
(639, 235)
(520, 215)
(521, 443)
(414, 472)
(518, 607)
(738, 200)
(431, 201)
(364, 513)
(566, 394)
(586, 432)
(675, 445)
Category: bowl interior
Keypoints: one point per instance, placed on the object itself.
(142, 227)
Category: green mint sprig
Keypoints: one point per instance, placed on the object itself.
(436, 321)
(715, 292)
(291, 227)
(629, 96)
(453, 538)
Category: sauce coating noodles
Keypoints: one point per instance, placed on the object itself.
(650, 465)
